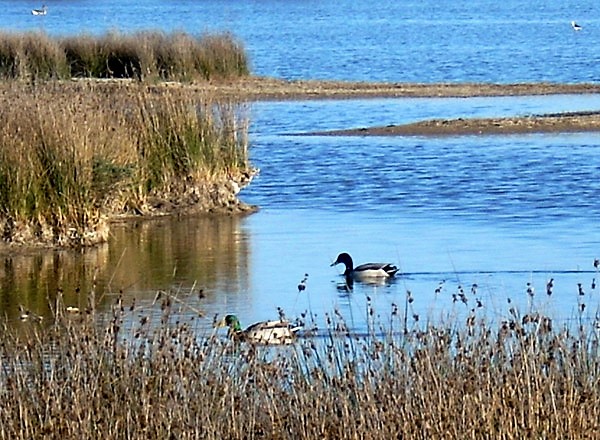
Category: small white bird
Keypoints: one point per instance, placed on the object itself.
(575, 26)
(42, 11)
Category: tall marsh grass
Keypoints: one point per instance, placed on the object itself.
(142, 374)
(147, 55)
(74, 154)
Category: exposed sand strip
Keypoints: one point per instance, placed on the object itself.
(263, 89)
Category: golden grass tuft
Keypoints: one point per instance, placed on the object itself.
(146, 55)
(31, 56)
(76, 154)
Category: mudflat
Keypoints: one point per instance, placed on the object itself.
(550, 123)
(263, 88)
(260, 88)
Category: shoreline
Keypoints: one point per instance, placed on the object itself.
(221, 197)
(578, 122)
(271, 89)
(266, 89)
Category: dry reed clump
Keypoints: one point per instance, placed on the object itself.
(145, 374)
(75, 155)
(147, 55)
(32, 56)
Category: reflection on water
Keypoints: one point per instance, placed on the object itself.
(161, 254)
(252, 266)
(32, 280)
(196, 256)
(438, 259)
(494, 212)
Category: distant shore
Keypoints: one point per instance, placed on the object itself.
(552, 123)
(255, 88)
(263, 89)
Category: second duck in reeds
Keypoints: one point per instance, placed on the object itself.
(365, 272)
(265, 332)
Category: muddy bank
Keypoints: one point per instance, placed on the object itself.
(217, 197)
(260, 88)
(550, 123)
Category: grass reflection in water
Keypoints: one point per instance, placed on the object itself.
(140, 259)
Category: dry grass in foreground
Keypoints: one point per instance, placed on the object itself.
(142, 376)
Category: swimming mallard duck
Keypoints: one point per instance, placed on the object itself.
(266, 332)
(367, 271)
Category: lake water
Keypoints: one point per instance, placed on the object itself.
(497, 212)
(411, 40)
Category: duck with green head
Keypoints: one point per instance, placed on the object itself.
(265, 332)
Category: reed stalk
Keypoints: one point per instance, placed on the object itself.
(142, 373)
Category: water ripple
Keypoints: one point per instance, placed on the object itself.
(519, 177)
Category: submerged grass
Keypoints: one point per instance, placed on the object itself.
(146, 55)
(143, 374)
(75, 154)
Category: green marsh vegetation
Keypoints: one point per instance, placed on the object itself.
(75, 154)
(144, 373)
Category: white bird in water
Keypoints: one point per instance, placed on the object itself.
(575, 26)
(42, 11)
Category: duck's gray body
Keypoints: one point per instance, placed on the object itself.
(265, 332)
(367, 271)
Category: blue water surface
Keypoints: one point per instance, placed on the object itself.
(410, 41)
(496, 212)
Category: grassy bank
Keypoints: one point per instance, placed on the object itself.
(147, 55)
(76, 154)
(140, 375)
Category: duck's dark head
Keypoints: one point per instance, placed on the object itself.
(232, 322)
(345, 259)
